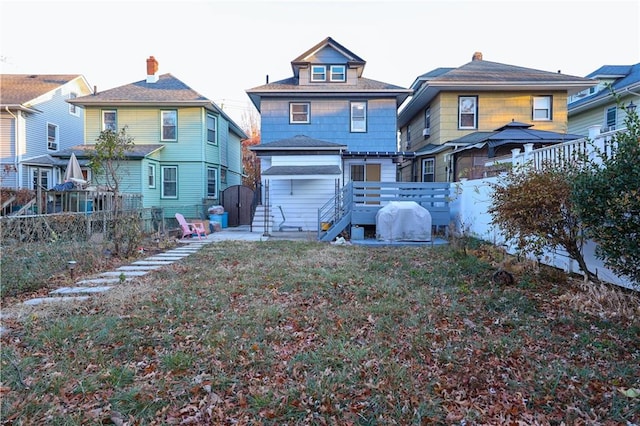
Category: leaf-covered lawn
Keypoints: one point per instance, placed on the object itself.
(287, 333)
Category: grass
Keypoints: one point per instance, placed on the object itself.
(284, 333)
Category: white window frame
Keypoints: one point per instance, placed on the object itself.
(338, 73)
(44, 173)
(73, 109)
(429, 164)
(165, 181)
(108, 124)
(151, 176)
(299, 117)
(611, 117)
(541, 108)
(318, 73)
(165, 124)
(211, 119)
(358, 116)
(427, 118)
(467, 109)
(53, 140)
(213, 182)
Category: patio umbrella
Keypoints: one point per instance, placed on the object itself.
(73, 172)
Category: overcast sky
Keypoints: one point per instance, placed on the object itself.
(223, 48)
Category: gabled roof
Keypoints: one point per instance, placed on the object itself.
(623, 79)
(353, 60)
(290, 88)
(485, 76)
(21, 90)
(168, 91)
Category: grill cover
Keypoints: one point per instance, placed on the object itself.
(403, 221)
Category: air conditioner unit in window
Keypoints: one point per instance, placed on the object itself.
(605, 129)
(426, 132)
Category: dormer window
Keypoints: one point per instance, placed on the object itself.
(338, 73)
(318, 73)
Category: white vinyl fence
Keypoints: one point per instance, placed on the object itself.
(471, 200)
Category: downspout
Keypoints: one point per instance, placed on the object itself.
(15, 156)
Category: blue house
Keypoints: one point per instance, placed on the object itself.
(37, 123)
(322, 128)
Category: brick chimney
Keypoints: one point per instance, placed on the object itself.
(152, 69)
(477, 56)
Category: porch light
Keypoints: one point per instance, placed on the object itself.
(631, 107)
(71, 266)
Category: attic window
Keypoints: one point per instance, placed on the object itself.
(318, 73)
(338, 73)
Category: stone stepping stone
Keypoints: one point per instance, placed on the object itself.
(153, 262)
(125, 273)
(76, 290)
(102, 281)
(168, 254)
(139, 268)
(169, 259)
(41, 300)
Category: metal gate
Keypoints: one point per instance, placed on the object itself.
(237, 201)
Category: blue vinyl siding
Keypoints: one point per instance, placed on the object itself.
(330, 121)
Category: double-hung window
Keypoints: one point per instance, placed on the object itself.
(318, 73)
(610, 118)
(337, 73)
(467, 112)
(542, 108)
(169, 181)
(169, 125)
(299, 112)
(212, 182)
(151, 175)
(358, 116)
(211, 129)
(428, 170)
(52, 137)
(109, 120)
(73, 110)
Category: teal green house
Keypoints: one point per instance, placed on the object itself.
(187, 150)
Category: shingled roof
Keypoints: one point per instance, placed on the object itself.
(21, 89)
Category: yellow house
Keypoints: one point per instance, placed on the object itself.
(476, 98)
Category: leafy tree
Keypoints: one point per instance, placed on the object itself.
(106, 159)
(606, 195)
(534, 208)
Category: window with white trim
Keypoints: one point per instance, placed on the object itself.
(109, 120)
(73, 110)
(429, 170)
(151, 175)
(212, 182)
(427, 120)
(358, 116)
(299, 112)
(338, 73)
(211, 129)
(467, 112)
(318, 73)
(542, 108)
(611, 118)
(169, 181)
(52, 137)
(169, 125)
(44, 178)
(408, 136)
